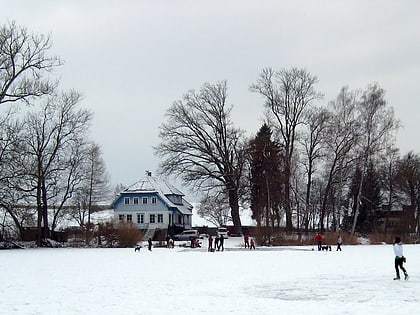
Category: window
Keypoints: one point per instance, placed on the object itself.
(160, 218)
(129, 217)
(121, 217)
(126, 201)
(136, 200)
(153, 200)
(140, 218)
(144, 200)
(152, 218)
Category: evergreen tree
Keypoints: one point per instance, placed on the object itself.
(267, 182)
(370, 200)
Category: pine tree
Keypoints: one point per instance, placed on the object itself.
(267, 182)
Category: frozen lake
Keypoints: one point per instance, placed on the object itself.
(283, 280)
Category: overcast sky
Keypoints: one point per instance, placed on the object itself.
(133, 59)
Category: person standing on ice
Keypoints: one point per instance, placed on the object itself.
(246, 240)
(339, 242)
(399, 258)
(216, 243)
(252, 243)
(149, 243)
(319, 239)
(221, 243)
(210, 243)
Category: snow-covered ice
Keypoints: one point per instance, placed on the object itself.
(281, 280)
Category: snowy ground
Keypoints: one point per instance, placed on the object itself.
(283, 280)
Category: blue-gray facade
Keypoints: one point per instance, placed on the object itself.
(153, 203)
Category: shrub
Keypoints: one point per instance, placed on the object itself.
(128, 234)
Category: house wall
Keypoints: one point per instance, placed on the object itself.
(147, 211)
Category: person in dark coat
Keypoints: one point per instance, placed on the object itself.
(252, 243)
(221, 243)
(210, 243)
(339, 242)
(149, 242)
(216, 243)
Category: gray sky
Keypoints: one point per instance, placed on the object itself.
(133, 59)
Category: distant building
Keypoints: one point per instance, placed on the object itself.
(153, 205)
(399, 221)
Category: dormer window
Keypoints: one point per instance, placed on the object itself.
(176, 199)
(153, 200)
(126, 201)
(144, 200)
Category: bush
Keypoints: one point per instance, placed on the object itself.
(107, 234)
(122, 234)
(128, 234)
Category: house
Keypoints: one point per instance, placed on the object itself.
(155, 206)
(400, 221)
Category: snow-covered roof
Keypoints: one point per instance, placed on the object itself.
(153, 184)
(160, 186)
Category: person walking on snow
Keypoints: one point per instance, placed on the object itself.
(252, 243)
(399, 258)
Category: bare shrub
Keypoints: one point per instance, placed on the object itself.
(108, 232)
(128, 234)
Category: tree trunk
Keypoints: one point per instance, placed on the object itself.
(287, 205)
(358, 200)
(39, 211)
(234, 206)
(45, 210)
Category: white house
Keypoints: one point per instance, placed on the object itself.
(153, 204)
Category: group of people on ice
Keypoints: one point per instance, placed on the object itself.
(249, 242)
(219, 243)
(319, 239)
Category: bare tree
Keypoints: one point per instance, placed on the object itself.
(97, 183)
(24, 64)
(313, 143)
(340, 139)
(11, 198)
(215, 209)
(93, 188)
(389, 173)
(200, 144)
(288, 94)
(49, 151)
(376, 122)
(66, 179)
